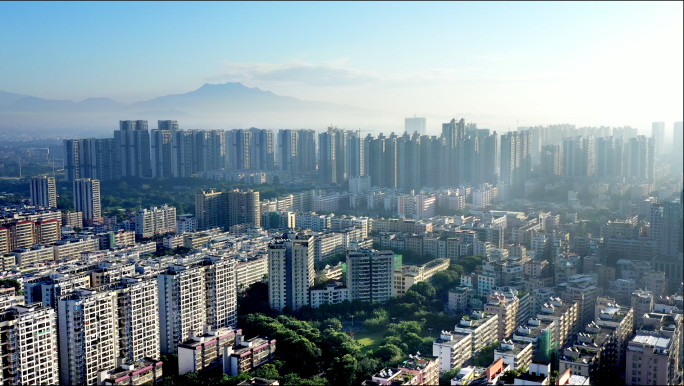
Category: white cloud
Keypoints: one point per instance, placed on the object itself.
(335, 73)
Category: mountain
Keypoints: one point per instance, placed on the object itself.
(220, 98)
(228, 104)
(7, 98)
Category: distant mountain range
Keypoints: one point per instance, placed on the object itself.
(227, 104)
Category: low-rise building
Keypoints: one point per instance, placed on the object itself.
(541, 335)
(422, 370)
(514, 354)
(206, 351)
(482, 326)
(145, 372)
(332, 294)
(249, 354)
(564, 316)
(453, 349)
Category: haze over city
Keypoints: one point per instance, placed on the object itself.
(500, 65)
(341, 193)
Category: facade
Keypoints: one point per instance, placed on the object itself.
(225, 209)
(541, 335)
(155, 221)
(514, 355)
(43, 192)
(249, 354)
(453, 349)
(565, 318)
(87, 199)
(290, 270)
(133, 143)
(370, 275)
(506, 309)
(32, 357)
(652, 359)
(200, 293)
(482, 326)
(206, 351)
(332, 294)
(250, 271)
(87, 330)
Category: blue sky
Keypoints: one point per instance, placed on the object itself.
(528, 58)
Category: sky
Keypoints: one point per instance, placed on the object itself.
(603, 63)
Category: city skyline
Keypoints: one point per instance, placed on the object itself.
(508, 63)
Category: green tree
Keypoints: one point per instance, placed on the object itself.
(343, 371)
(267, 371)
(445, 377)
(388, 352)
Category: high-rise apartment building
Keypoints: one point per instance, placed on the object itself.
(29, 349)
(72, 153)
(408, 162)
(609, 157)
(356, 155)
(87, 199)
(155, 221)
(306, 150)
(287, 150)
(290, 270)
(43, 192)
(162, 149)
(96, 158)
(578, 157)
(666, 227)
(639, 161)
(658, 132)
(133, 141)
(225, 209)
(327, 167)
(677, 138)
(516, 163)
(415, 125)
(137, 302)
(87, 344)
(199, 294)
(370, 275)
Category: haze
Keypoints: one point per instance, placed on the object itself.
(499, 64)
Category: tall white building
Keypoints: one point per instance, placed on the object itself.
(658, 131)
(87, 199)
(415, 124)
(290, 270)
(370, 275)
(43, 192)
(138, 310)
(194, 296)
(87, 329)
(32, 331)
(155, 221)
(677, 139)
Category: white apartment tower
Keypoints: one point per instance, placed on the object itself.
(415, 124)
(290, 270)
(658, 132)
(194, 296)
(221, 279)
(182, 305)
(155, 221)
(87, 344)
(33, 332)
(138, 321)
(43, 192)
(87, 199)
(370, 275)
